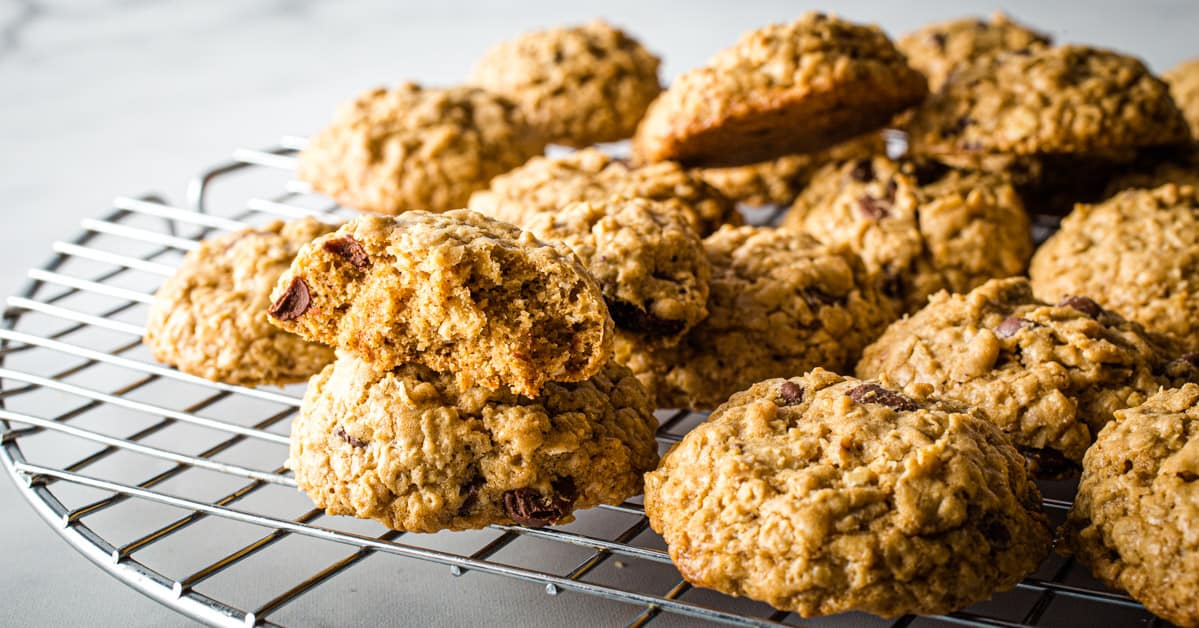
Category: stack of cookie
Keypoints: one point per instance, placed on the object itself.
(473, 383)
(501, 364)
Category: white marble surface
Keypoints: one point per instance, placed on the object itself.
(105, 98)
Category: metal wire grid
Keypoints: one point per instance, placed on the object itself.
(142, 468)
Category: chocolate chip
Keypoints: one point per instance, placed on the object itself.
(293, 302)
(350, 250)
(527, 507)
(340, 432)
(1011, 325)
(995, 532)
(817, 298)
(871, 208)
(939, 40)
(470, 494)
(863, 171)
(791, 393)
(873, 393)
(1050, 463)
(632, 318)
(1085, 305)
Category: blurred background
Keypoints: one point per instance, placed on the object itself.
(123, 97)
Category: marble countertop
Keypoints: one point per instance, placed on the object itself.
(102, 98)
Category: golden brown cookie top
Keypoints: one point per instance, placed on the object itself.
(1067, 99)
(786, 492)
(1133, 519)
(210, 317)
(780, 302)
(647, 258)
(1137, 253)
(1049, 375)
(547, 184)
(939, 49)
(578, 85)
(411, 147)
(414, 450)
(925, 228)
(784, 88)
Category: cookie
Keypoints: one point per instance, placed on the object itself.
(925, 229)
(822, 494)
(781, 303)
(785, 88)
(392, 150)
(1136, 253)
(547, 184)
(577, 85)
(457, 292)
(937, 50)
(1133, 519)
(779, 181)
(648, 261)
(1049, 376)
(1067, 99)
(1184, 85)
(209, 318)
(415, 451)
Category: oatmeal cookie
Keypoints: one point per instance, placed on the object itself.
(1067, 99)
(1049, 376)
(646, 257)
(784, 88)
(1133, 519)
(547, 184)
(939, 49)
(415, 451)
(578, 85)
(457, 292)
(392, 150)
(822, 494)
(781, 303)
(924, 228)
(209, 318)
(1136, 253)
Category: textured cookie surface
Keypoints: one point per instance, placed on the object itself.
(547, 184)
(781, 89)
(1049, 376)
(392, 150)
(457, 292)
(1184, 85)
(780, 304)
(1067, 99)
(822, 494)
(1133, 521)
(578, 85)
(209, 318)
(646, 257)
(924, 229)
(1136, 253)
(413, 450)
(939, 49)
(779, 181)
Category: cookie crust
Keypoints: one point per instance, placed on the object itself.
(822, 494)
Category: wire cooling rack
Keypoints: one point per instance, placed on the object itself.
(175, 484)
